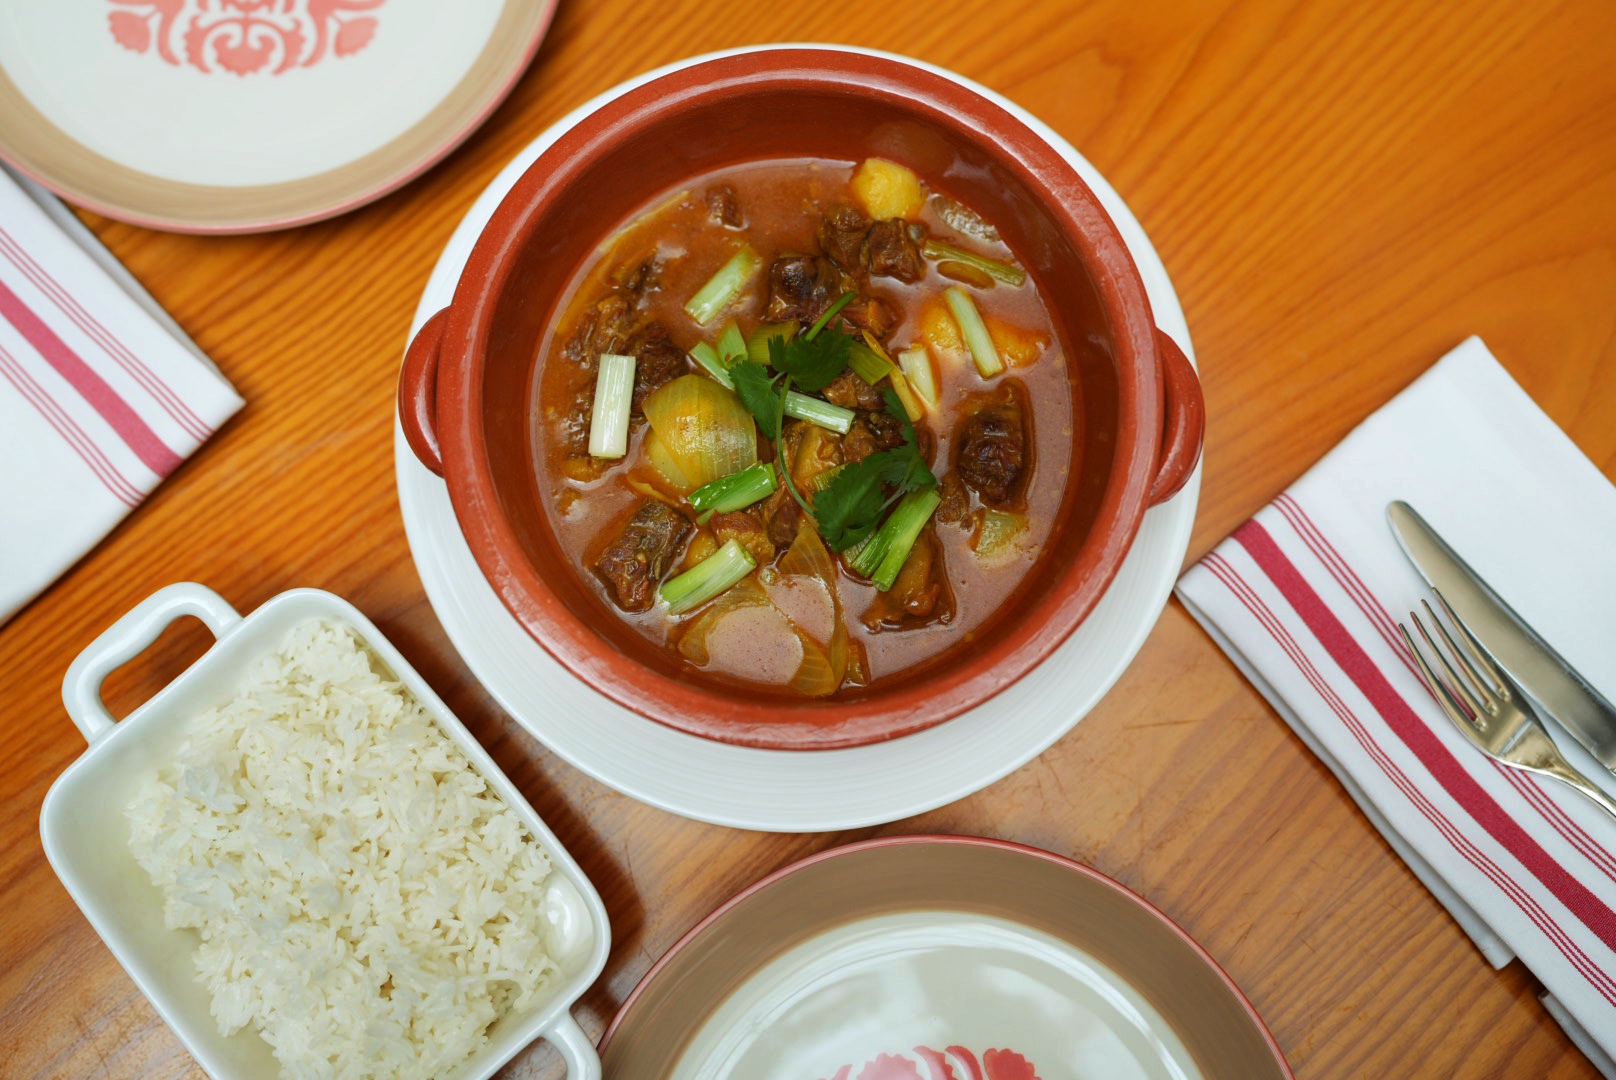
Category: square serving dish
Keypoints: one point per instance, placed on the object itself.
(86, 835)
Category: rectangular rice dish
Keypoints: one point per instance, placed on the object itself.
(86, 831)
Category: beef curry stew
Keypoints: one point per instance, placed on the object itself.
(804, 425)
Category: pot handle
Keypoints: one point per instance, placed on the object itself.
(1183, 420)
(418, 392)
(127, 638)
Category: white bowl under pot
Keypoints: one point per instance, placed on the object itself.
(86, 834)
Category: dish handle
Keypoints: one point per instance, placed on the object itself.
(418, 392)
(129, 637)
(1183, 420)
(583, 1061)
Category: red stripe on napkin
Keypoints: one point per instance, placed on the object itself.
(1447, 771)
(1461, 844)
(94, 389)
(153, 383)
(1319, 544)
(71, 433)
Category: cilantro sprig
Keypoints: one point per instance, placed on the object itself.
(851, 505)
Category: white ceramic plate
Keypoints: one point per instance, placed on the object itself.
(230, 117)
(782, 791)
(937, 957)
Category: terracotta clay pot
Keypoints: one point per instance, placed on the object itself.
(466, 393)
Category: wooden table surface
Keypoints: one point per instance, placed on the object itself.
(1341, 190)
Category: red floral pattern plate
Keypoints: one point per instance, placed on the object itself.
(242, 115)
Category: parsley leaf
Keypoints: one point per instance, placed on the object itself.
(757, 390)
(812, 363)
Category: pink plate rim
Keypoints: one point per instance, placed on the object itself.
(1061, 861)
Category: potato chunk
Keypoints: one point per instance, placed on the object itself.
(887, 190)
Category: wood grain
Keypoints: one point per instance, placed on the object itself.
(1341, 189)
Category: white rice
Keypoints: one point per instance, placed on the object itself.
(363, 900)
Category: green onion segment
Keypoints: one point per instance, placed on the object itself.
(736, 491)
(723, 286)
(614, 396)
(974, 330)
(731, 345)
(1008, 273)
(706, 358)
(708, 578)
(867, 364)
(819, 412)
(916, 365)
(882, 556)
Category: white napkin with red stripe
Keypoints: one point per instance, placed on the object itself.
(101, 394)
(1306, 596)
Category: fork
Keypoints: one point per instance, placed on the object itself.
(1487, 706)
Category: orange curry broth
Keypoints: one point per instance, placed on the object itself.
(780, 202)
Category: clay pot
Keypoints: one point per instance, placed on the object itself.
(466, 391)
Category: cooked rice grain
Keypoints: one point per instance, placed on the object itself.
(364, 901)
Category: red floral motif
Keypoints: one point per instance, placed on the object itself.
(941, 1065)
(243, 36)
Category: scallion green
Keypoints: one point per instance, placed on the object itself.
(736, 491)
(706, 357)
(1008, 273)
(723, 286)
(819, 412)
(731, 345)
(883, 555)
(707, 579)
(614, 397)
(974, 331)
(868, 364)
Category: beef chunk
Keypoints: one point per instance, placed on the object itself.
(802, 287)
(920, 596)
(850, 391)
(841, 236)
(657, 362)
(992, 446)
(956, 500)
(639, 278)
(635, 563)
(872, 431)
(892, 251)
(605, 329)
(723, 208)
(747, 529)
(781, 516)
(872, 314)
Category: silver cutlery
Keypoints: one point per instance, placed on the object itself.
(1486, 705)
(1562, 694)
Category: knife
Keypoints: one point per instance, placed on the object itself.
(1564, 694)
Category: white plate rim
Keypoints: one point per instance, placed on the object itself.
(773, 790)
